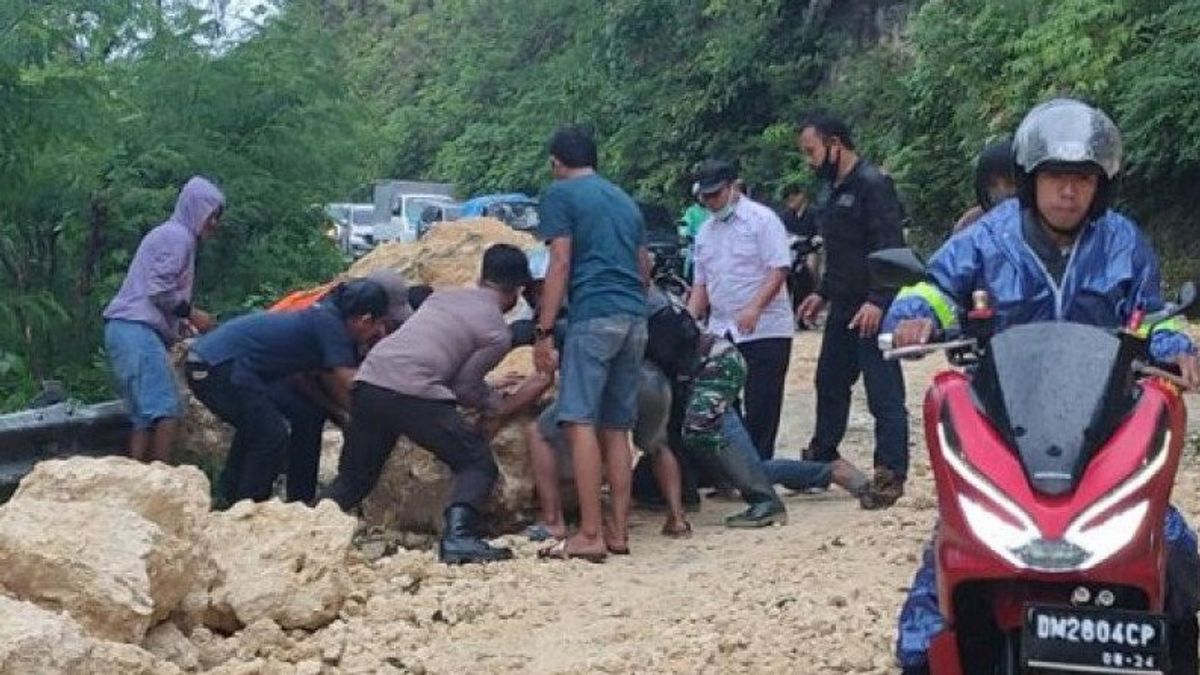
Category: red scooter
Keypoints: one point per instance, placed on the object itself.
(1054, 453)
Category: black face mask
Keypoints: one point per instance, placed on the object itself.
(829, 168)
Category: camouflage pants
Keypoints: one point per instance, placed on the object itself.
(715, 387)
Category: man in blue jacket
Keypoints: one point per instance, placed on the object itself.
(1054, 253)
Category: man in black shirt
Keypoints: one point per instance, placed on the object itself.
(861, 214)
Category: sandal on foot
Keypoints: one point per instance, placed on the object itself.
(541, 532)
(559, 552)
(678, 532)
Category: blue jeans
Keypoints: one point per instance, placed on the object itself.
(601, 369)
(844, 355)
(798, 474)
(142, 372)
(921, 618)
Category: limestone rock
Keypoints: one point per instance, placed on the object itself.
(114, 571)
(449, 255)
(113, 657)
(284, 562)
(176, 498)
(168, 643)
(34, 640)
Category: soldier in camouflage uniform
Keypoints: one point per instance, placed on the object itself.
(715, 434)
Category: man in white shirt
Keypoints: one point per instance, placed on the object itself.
(742, 261)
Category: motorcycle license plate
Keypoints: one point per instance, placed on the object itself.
(1094, 641)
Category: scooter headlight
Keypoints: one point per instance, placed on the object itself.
(1093, 537)
(1107, 537)
(1001, 525)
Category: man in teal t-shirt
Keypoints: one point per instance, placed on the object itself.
(599, 262)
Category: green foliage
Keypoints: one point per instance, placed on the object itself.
(107, 106)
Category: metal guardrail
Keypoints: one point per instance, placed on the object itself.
(59, 430)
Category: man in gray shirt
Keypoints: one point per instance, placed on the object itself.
(411, 383)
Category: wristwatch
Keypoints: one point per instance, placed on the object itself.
(540, 333)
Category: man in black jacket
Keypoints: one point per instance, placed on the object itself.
(861, 214)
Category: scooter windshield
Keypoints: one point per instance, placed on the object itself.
(1055, 391)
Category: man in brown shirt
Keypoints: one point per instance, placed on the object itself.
(411, 383)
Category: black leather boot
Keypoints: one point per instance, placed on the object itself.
(461, 542)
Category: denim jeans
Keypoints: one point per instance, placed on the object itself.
(142, 372)
(798, 474)
(601, 368)
(844, 355)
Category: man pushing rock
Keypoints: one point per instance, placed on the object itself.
(411, 383)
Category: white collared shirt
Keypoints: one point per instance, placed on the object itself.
(733, 259)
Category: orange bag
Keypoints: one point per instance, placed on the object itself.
(301, 299)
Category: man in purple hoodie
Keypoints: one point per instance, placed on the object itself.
(151, 311)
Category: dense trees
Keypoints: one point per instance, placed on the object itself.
(107, 106)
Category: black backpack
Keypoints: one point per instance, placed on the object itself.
(672, 335)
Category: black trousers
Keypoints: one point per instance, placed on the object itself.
(306, 422)
(762, 400)
(378, 417)
(844, 356)
(260, 434)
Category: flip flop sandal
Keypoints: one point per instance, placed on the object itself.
(539, 532)
(559, 552)
(618, 550)
(678, 533)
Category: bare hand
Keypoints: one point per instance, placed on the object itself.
(508, 381)
(810, 307)
(747, 320)
(912, 332)
(1189, 369)
(866, 320)
(202, 321)
(545, 358)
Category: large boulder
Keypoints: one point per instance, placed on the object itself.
(412, 489)
(449, 255)
(115, 572)
(175, 498)
(284, 562)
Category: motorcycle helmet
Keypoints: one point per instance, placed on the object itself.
(1068, 134)
(995, 164)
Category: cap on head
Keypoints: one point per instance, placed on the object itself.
(713, 175)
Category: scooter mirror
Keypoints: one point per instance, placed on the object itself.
(892, 268)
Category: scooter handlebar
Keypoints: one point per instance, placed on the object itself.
(891, 353)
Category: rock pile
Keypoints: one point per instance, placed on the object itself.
(107, 564)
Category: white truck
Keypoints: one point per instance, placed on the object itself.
(404, 210)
